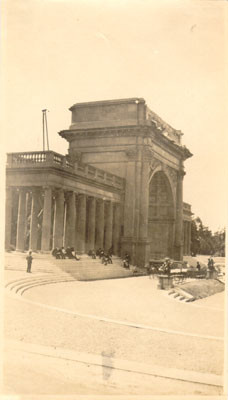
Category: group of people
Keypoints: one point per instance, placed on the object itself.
(61, 253)
(211, 268)
(105, 257)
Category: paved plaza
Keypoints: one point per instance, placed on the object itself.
(115, 336)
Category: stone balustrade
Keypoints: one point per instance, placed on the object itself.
(42, 159)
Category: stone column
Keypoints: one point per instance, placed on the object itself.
(46, 223)
(27, 212)
(116, 229)
(128, 239)
(143, 245)
(108, 225)
(58, 219)
(91, 223)
(34, 221)
(189, 238)
(144, 204)
(179, 217)
(81, 223)
(184, 237)
(70, 220)
(21, 221)
(8, 217)
(129, 202)
(100, 224)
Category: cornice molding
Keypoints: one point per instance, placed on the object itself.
(135, 130)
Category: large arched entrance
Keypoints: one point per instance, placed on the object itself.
(161, 217)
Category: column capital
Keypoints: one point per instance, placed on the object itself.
(46, 187)
(181, 173)
(147, 154)
(69, 193)
(35, 189)
(109, 201)
(81, 195)
(57, 191)
(99, 200)
(22, 189)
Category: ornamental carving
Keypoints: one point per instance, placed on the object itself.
(154, 164)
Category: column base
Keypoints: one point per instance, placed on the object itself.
(178, 253)
(139, 251)
(21, 250)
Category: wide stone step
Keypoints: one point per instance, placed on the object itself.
(48, 270)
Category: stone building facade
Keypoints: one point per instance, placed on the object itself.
(120, 186)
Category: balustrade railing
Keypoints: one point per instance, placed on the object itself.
(50, 158)
(28, 158)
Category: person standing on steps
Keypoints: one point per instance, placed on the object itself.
(29, 259)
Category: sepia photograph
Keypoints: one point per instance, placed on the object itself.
(114, 199)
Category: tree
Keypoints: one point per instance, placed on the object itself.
(219, 242)
(204, 242)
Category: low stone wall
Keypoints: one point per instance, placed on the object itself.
(203, 288)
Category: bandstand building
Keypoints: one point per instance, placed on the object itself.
(119, 186)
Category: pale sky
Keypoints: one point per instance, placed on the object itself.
(172, 53)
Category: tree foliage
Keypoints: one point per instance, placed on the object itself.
(203, 241)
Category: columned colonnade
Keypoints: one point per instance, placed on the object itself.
(69, 219)
(187, 237)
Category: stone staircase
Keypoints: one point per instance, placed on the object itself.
(47, 270)
(180, 295)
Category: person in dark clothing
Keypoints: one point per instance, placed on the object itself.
(210, 266)
(74, 255)
(29, 259)
(63, 253)
(106, 259)
(101, 255)
(54, 252)
(166, 266)
(93, 254)
(69, 253)
(126, 261)
(58, 254)
(198, 266)
(98, 252)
